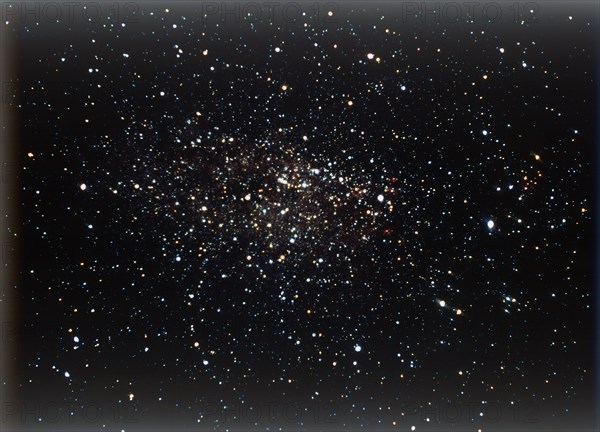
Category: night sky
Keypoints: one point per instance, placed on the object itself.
(351, 219)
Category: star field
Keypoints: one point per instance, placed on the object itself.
(369, 219)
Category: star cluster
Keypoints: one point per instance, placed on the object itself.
(381, 216)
